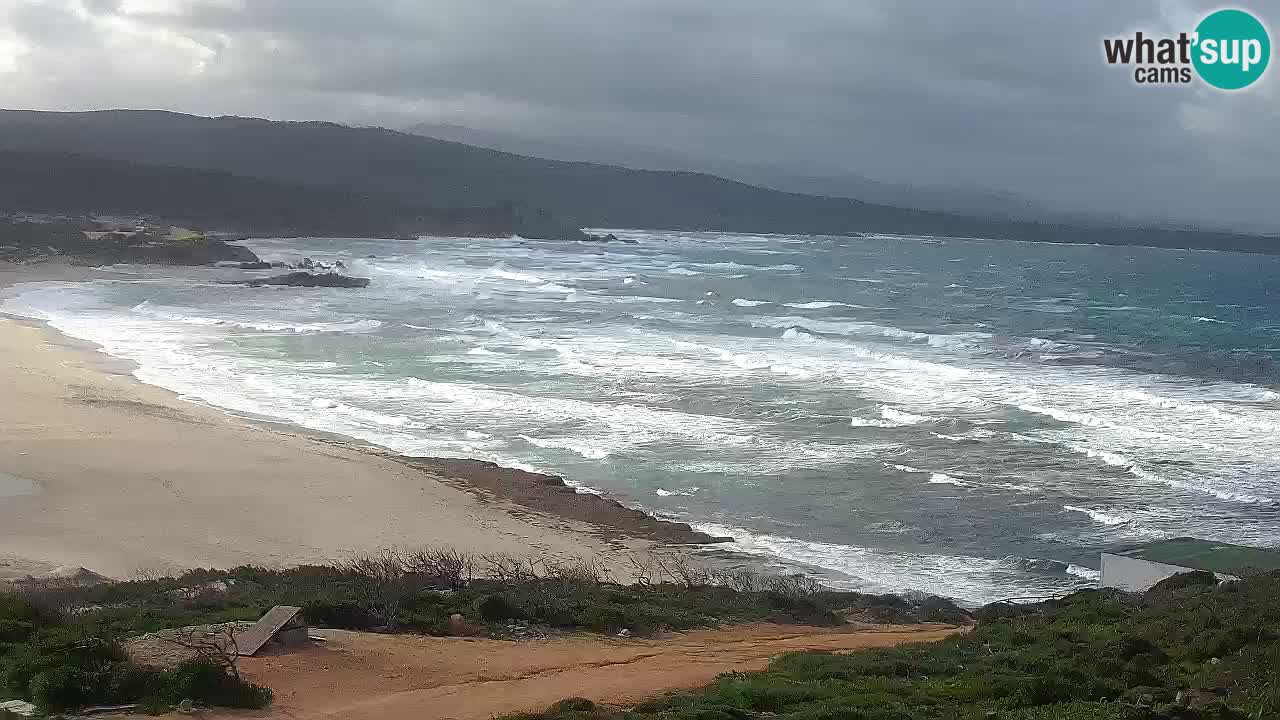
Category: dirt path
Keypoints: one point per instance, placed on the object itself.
(356, 675)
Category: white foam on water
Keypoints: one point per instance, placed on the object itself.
(819, 305)
(500, 271)
(582, 489)
(1173, 442)
(685, 492)
(902, 417)
(556, 288)
(1084, 572)
(178, 315)
(632, 299)
(742, 302)
(1099, 516)
(586, 450)
(945, 479)
(905, 468)
(853, 328)
(972, 580)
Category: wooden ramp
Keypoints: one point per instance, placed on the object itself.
(251, 640)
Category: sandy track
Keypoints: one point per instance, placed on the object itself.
(357, 676)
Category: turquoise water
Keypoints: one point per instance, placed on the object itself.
(973, 418)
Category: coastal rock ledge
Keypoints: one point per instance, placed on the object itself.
(550, 494)
(307, 279)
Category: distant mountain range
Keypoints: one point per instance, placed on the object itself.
(827, 182)
(404, 173)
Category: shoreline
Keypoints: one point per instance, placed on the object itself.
(89, 447)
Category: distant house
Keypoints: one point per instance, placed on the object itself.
(1141, 567)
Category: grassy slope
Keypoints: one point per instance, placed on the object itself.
(1187, 649)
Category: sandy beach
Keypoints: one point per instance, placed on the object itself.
(101, 471)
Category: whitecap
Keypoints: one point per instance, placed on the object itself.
(1098, 515)
(686, 492)
(1131, 466)
(1084, 572)
(819, 305)
(586, 450)
(178, 315)
(556, 288)
(906, 468)
(856, 421)
(902, 417)
(582, 489)
(740, 302)
(501, 272)
(972, 580)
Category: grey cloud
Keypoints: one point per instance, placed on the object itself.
(981, 94)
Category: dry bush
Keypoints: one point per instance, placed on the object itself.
(644, 569)
(793, 585)
(741, 580)
(151, 573)
(681, 570)
(445, 567)
(579, 570)
(383, 583)
(510, 568)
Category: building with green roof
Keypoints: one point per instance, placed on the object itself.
(1138, 568)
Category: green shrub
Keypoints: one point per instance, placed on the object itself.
(19, 618)
(209, 684)
(1094, 655)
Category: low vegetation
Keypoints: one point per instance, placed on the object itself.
(61, 647)
(1188, 649)
(63, 662)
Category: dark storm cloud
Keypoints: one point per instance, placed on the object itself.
(998, 94)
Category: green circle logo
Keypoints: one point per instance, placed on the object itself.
(1232, 49)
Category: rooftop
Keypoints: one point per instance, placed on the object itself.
(1208, 555)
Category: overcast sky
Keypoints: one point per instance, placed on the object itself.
(1009, 95)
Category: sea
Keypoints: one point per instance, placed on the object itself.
(972, 418)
